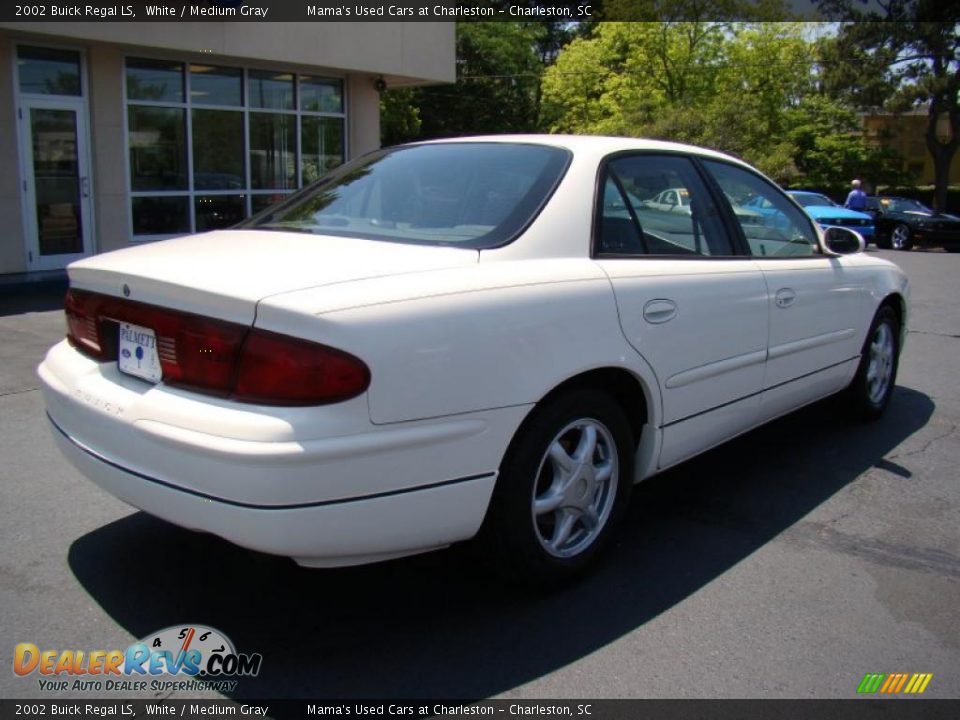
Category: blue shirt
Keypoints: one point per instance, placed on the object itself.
(856, 200)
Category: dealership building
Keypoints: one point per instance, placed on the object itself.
(113, 134)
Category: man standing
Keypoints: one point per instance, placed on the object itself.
(857, 199)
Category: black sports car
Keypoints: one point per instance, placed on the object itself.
(902, 223)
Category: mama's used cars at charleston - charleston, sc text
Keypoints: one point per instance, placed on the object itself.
(488, 335)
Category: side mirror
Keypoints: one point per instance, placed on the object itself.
(842, 241)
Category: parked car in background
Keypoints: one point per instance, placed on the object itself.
(679, 200)
(903, 223)
(486, 337)
(826, 212)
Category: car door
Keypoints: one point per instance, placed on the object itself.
(816, 302)
(694, 309)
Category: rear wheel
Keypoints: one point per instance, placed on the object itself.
(873, 384)
(901, 237)
(562, 488)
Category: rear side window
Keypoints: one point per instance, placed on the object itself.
(658, 205)
(771, 223)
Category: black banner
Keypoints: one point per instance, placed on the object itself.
(855, 709)
(41, 11)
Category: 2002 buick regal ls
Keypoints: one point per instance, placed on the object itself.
(491, 335)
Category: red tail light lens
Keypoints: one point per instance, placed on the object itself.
(278, 369)
(83, 330)
(217, 357)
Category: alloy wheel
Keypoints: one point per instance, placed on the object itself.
(880, 369)
(576, 488)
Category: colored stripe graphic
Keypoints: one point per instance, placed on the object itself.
(922, 684)
(894, 683)
(871, 683)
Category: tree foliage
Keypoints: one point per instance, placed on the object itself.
(748, 89)
(906, 55)
(497, 90)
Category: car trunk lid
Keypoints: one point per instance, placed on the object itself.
(224, 274)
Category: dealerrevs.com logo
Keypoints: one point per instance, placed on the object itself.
(181, 657)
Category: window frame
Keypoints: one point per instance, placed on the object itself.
(245, 109)
(734, 232)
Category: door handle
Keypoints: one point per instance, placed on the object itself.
(785, 297)
(659, 311)
(85, 186)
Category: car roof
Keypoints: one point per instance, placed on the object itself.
(594, 144)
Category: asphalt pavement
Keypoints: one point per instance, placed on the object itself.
(786, 564)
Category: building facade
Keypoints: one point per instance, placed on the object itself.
(113, 134)
(906, 133)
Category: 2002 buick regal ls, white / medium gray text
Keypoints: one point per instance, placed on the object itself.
(490, 335)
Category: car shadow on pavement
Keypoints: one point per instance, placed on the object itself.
(439, 625)
(32, 297)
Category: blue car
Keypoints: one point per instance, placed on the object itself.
(826, 212)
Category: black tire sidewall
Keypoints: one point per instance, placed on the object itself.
(512, 530)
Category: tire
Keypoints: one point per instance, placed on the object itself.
(901, 237)
(872, 386)
(563, 485)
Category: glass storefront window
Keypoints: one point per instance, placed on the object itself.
(262, 202)
(271, 90)
(218, 150)
(158, 150)
(161, 215)
(210, 145)
(155, 80)
(219, 211)
(47, 71)
(321, 143)
(216, 85)
(321, 95)
(273, 149)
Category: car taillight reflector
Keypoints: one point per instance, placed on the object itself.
(217, 357)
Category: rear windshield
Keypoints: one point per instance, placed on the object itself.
(476, 195)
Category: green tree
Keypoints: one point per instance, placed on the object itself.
(911, 60)
(728, 86)
(831, 148)
(399, 116)
(499, 65)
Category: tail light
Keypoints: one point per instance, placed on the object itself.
(216, 357)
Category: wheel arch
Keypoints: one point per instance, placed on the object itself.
(628, 390)
(898, 303)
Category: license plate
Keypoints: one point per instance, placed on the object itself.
(137, 354)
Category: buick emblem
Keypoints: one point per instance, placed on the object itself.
(126, 290)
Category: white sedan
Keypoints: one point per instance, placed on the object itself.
(481, 336)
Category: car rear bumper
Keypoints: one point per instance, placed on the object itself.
(359, 493)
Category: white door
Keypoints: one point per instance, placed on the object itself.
(57, 202)
(815, 302)
(688, 304)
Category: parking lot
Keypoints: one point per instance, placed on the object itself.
(786, 564)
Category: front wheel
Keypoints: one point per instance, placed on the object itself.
(562, 488)
(872, 386)
(901, 237)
